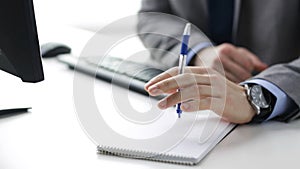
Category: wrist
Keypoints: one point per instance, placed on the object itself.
(250, 111)
(238, 109)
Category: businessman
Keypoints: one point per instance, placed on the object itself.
(248, 37)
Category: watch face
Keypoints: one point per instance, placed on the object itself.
(258, 97)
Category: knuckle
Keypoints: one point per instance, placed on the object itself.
(190, 76)
(245, 52)
(159, 78)
(226, 45)
(173, 69)
(208, 69)
(242, 49)
(219, 61)
(164, 84)
(225, 48)
(213, 77)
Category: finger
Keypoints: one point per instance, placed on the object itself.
(179, 81)
(240, 57)
(196, 105)
(173, 72)
(235, 69)
(190, 93)
(231, 77)
(256, 62)
(167, 74)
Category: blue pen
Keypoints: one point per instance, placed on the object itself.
(182, 57)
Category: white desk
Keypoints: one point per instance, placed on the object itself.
(51, 137)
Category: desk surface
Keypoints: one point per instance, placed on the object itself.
(51, 136)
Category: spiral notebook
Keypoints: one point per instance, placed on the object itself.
(206, 132)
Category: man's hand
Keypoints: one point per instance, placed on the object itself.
(202, 89)
(237, 63)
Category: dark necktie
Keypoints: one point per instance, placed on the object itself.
(221, 20)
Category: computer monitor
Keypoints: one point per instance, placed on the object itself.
(19, 45)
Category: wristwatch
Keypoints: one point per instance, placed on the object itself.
(261, 100)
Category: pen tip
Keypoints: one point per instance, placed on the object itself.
(179, 113)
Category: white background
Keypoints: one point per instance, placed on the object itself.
(84, 12)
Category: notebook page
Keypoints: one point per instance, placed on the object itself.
(207, 130)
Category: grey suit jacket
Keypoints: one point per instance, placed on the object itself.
(268, 28)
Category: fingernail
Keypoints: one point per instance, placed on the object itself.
(148, 83)
(185, 106)
(155, 91)
(162, 104)
(146, 86)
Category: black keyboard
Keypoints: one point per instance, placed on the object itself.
(128, 74)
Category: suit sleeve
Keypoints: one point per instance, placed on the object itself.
(287, 78)
(160, 31)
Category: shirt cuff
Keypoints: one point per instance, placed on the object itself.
(194, 50)
(283, 101)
